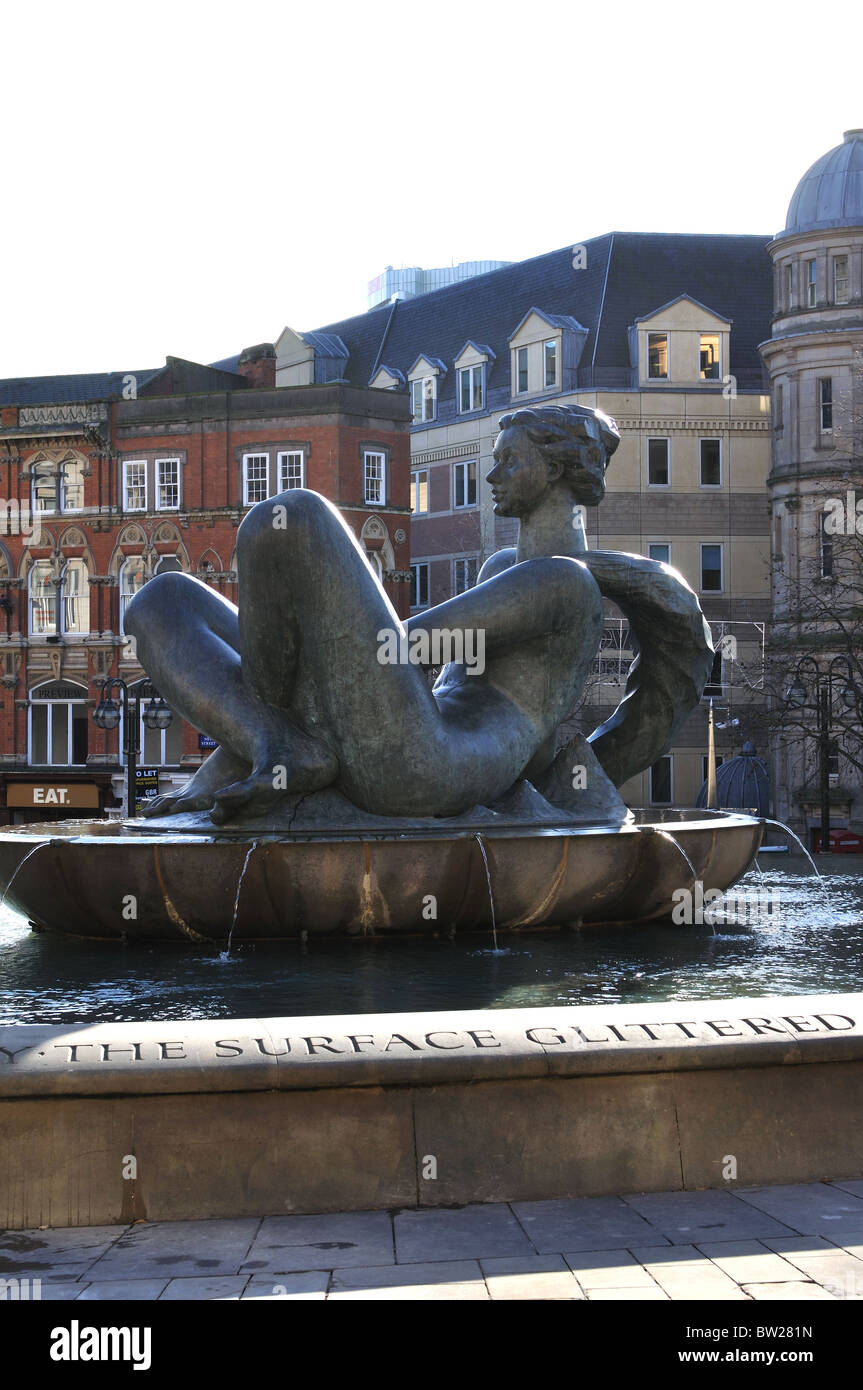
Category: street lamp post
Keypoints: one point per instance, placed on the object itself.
(797, 695)
(107, 715)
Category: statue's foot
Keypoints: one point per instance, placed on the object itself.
(311, 767)
(171, 805)
(199, 793)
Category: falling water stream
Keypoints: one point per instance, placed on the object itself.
(478, 839)
(29, 855)
(226, 954)
(789, 831)
(666, 836)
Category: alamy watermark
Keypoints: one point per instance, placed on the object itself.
(437, 646)
(843, 516)
(696, 906)
(19, 519)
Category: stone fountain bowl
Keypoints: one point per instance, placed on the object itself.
(109, 879)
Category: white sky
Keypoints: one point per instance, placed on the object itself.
(187, 177)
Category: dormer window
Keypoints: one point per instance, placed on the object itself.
(709, 357)
(423, 399)
(543, 361)
(472, 366)
(549, 352)
(682, 342)
(657, 355)
(521, 369)
(423, 380)
(471, 388)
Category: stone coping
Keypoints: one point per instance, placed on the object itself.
(410, 1049)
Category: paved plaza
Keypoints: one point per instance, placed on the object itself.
(797, 1242)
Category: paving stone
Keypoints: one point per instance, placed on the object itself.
(608, 1269)
(651, 1293)
(685, 1274)
(172, 1248)
(792, 1291)
(584, 1223)
(469, 1233)
(530, 1276)
(51, 1292)
(285, 1244)
(58, 1254)
(813, 1208)
(224, 1286)
(447, 1279)
(119, 1290)
(311, 1284)
(667, 1254)
(748, 1260)
(824, 1262)
(688, 1217)
(855, 1187)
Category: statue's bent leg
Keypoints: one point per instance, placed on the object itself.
(310, 616)
(188, 639)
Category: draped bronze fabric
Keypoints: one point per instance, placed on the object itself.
(671, 669)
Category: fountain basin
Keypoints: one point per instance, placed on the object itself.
(101, 879)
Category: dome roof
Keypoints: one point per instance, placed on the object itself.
(742, 784)
(830, 194)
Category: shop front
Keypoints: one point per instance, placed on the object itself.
(31, 798)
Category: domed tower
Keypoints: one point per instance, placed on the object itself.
(815, 361)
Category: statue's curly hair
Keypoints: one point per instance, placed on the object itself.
(579, 438)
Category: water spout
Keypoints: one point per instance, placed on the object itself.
(820, 877)
(692, 869)
(29, 855)
(789, 831)
(666, 836)
(478, 839)
(226, 954)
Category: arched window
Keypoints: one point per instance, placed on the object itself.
(167, 564)
(49, 479)
(58, 725)
(43, 608)
(44, 486)
(72, 484)
(131, 580)
(75, 595)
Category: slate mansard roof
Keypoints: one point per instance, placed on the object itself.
(628, 275)
(60, 390)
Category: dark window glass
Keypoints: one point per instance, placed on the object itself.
(657, 355)
(660, 782)
(657, 462)
(711, 568)
(711, 475)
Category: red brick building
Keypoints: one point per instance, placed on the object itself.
(110, 479)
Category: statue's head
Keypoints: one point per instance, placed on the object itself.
(551, 446)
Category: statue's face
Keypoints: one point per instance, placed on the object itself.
(520, 477)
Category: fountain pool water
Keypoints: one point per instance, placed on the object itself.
(803, 946)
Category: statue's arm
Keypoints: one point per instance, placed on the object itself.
(675, 655)
(495, 564)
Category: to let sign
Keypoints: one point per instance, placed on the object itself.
(53, 795)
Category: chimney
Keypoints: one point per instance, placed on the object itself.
(258, 365)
